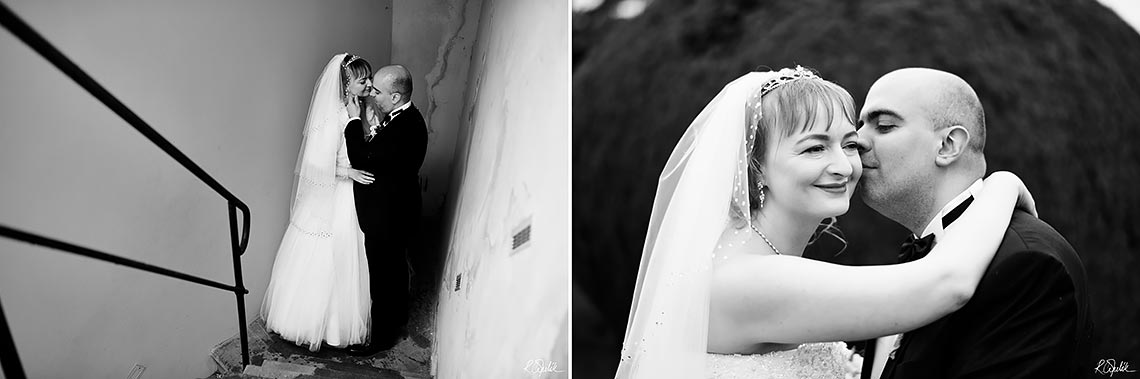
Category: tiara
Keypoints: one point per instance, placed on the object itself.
(786, 76)
(352, 58)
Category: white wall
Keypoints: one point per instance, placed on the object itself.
(228, 82)
(512, 165)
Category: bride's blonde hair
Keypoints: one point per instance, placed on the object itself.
(354, 67)
(789, 107)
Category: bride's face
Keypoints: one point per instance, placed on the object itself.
(814, 171)
(359, 86)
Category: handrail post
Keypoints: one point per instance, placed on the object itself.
(244, 243)
(236, 246)
(9, 359)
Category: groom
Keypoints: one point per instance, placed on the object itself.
(392, 148)
(1029, 316)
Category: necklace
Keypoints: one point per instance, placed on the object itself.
(765, 238)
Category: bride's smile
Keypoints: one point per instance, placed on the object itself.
(837, 188)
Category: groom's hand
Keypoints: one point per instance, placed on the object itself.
(362, 177)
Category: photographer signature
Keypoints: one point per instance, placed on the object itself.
(539, 366)
(1111, 367)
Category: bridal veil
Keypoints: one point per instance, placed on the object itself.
(704, 183)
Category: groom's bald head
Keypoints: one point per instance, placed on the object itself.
(391, 87)
(947, 99)
(395, 78)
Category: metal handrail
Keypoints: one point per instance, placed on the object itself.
(71, 248)
(9, 359)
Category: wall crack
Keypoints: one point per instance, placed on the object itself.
(439, 71)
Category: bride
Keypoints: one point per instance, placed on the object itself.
(318, 292)
(723, 290)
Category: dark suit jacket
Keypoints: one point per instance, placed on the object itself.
(394, 157)
(396, 152)
(1029, 317)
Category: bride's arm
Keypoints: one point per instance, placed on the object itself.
(781, 299)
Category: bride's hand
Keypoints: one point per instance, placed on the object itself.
(362, 177)
(353, 105)
(1025, 200)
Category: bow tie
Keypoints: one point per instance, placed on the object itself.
(916, 248)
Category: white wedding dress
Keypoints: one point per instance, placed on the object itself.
(828, 360)
(319, 288)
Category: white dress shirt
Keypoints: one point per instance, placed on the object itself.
(885, 346)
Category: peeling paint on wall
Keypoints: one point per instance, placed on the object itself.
(512, 168)
(457, 17)
(434, 39)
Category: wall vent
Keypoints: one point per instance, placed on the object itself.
(136, 372)
(521, 238)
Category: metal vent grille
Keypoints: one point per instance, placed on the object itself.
(521, 238)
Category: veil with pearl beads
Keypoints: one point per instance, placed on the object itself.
(702, 188)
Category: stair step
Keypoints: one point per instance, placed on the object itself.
(339, 371)
(269, 373)
(274, 358)
(289, 367)
(284, 370)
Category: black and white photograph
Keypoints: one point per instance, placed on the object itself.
(859, 189)
(285, 189)
(627, 189)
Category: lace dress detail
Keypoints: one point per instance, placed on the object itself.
(830, 360)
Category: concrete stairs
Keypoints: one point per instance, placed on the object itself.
(274, 358)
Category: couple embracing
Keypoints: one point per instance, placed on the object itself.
(341, 275)
(983, 288)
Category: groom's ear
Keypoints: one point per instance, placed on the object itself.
(955, 139)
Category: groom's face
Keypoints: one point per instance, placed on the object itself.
(382, 96)
(899, 163)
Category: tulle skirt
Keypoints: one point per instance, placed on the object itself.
(319, 290)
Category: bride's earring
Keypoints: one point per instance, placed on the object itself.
(760, 187)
